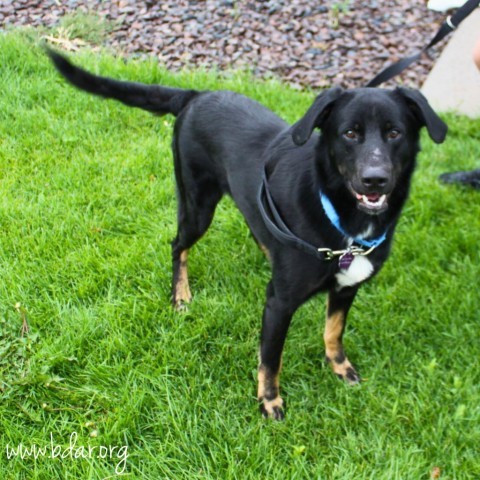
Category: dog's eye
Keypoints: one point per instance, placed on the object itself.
(350, 134)
(393, 134)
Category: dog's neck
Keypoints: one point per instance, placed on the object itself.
(364, 238)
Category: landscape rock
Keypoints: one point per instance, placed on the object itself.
(342, 43)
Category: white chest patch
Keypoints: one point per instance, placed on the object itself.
(360, 269)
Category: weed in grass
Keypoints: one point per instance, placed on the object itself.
(80, 28)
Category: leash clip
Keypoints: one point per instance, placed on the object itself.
(331, 254)
(352, 250)
(360, 251)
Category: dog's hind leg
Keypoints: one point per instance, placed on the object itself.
(338, 306)
(194, 218)
(197, 199)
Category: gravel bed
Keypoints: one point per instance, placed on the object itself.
(305, 43)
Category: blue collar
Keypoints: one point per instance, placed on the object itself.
(335, 220)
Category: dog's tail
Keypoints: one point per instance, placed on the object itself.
(154, 98)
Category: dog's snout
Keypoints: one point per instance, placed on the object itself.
(375, 178)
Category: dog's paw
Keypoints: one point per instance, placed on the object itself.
(350, 376)
(181, 304)
(344, 370)
(272, 408)
(181, 298)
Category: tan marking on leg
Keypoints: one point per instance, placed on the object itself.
(182, 288)
(268, 393)
(261, 383)
(265, 251)
(334, 352)
(268, 384)
(332, 335)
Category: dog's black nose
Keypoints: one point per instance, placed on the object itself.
(374, 178)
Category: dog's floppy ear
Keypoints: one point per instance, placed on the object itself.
(315, 115)
(420, 107)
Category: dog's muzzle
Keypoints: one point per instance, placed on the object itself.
(371, 189)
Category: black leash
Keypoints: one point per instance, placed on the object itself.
(450, 24)
(277, 226)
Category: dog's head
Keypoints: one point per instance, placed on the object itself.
(371, 138)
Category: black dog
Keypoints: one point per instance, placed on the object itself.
(323, 207)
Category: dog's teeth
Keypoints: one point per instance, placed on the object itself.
(376, 203)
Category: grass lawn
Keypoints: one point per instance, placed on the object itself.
(110, 380)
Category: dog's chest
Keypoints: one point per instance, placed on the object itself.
(359, 270)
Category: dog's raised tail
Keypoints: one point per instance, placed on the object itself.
(154, 98)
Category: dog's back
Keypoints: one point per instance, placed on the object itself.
(226, 132)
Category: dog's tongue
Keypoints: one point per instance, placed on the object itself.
(373, 197)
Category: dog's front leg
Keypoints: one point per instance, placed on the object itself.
(338, 305)
(276, 320)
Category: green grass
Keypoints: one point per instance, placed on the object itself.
(87, 211)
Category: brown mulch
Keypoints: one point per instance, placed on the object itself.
(306, 43)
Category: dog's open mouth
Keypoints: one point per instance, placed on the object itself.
(372, 202)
